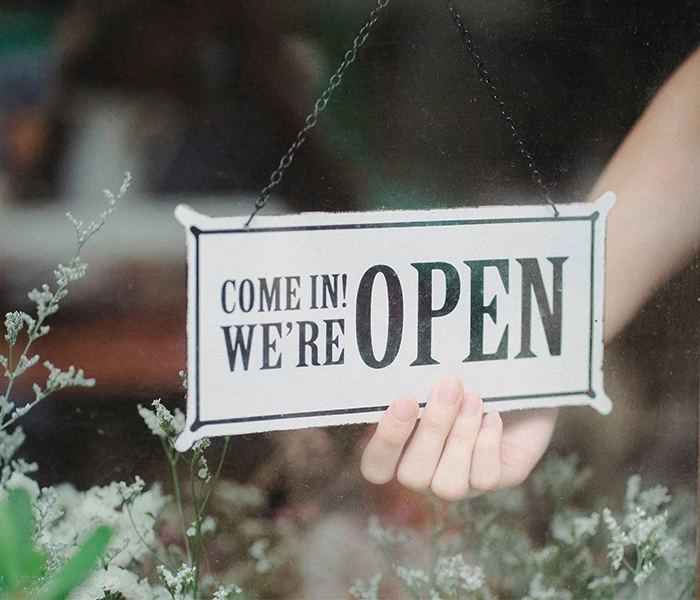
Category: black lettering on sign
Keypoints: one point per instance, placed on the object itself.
(228, 284)
(308, 340)
(363, 316)
(246, 304)
(426, 314)
(478, 310)
(330, 290)
(293, 283)
(244, 346)
(313, 291)
(334, 342)
(551, 319)
(268, 344)
(268, 295)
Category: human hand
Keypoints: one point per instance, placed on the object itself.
(457, 451)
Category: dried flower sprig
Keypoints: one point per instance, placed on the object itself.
(47, 302)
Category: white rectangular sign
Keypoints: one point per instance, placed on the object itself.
(323, 318)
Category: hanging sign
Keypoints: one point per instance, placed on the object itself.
(323, 318)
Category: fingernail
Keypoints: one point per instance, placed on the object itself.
(471, 404)
(491, 419)
(450, 390)
(403, 409)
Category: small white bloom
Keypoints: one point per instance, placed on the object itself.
(151, 420)
(262, 563)
(384, 537)
(226, 591)
(370, 591)
(129, 493)
(413, 579)
(115, 580)
(647, 569)
(178, 582)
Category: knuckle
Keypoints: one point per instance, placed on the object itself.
(435, 427)
(463, 436)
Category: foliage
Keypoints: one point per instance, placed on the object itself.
(25, 569)
(126, 523)
(47, 302)
(481, 549)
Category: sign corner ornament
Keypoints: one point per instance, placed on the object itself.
(320, 319)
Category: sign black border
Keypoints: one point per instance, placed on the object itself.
(197, 232)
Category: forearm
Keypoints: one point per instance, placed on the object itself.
(655, 226)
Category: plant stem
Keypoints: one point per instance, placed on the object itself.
(218, 472)
(172, 459)
(150, 548)
(32, 335)
(197, 526)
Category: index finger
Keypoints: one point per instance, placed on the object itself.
(383, 451)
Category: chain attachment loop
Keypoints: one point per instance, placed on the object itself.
(319, 106)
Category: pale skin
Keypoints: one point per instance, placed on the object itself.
(456, 451)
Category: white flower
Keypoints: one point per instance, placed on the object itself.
(9, 444)
(640, 577)
(384, 537)
(616, 548)
(14, 322)
(586, 526)
(162, 422)
(85, 511)
(208, 526)
(151, 420)
(370, 591)
(176, 583)
(225, 591)
(453, 574)
(262, 563)
(115, 580)
(75, 271)
(413, 578)
(538, 591)
(129, 493)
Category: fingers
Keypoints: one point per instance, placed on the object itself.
(455, 452)
(383, 451)
(526, 435)
(486, 466)
(423, 454)
(452, 478)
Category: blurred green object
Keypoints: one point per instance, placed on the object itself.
(22, 566)
(23, 31)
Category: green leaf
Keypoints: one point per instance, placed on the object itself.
(78, 568)
(19, 561)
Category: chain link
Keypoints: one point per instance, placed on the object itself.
(500, 105)
(321, 103)
(335, 80)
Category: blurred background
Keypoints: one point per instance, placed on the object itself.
(199, 100)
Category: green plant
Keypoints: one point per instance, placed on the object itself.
(25, 569)
(47, 303)
(53, 555)
(481, 549)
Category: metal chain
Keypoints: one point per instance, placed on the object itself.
(320, 105)
(510, 122)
